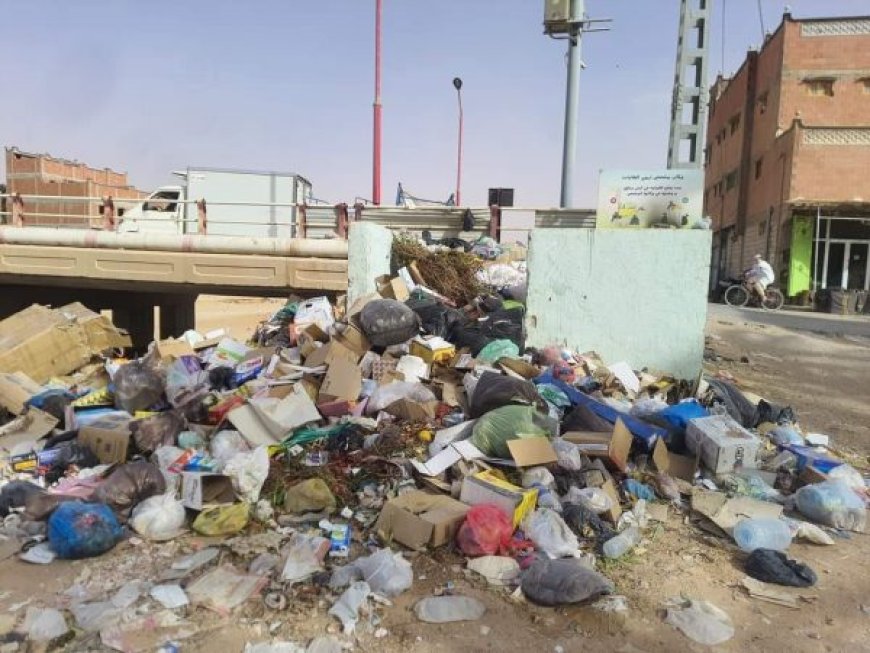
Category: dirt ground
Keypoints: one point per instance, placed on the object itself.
(824, 379)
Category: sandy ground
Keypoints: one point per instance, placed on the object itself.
(824, 379)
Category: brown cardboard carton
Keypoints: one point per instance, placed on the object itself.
(612, 447)
(201, 489)
(417, 519)
(108, 437)
(15, 390)
(343, 381)
(528, 452)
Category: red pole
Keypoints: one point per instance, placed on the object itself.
(376, 162)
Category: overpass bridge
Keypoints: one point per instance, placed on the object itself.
(132, 273)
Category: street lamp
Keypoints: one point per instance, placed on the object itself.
(457, 84)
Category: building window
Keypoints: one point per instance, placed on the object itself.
(865, 85)
(731, 180)
(762, 226)
(758, 167)
(820, 87)
(734, 123)
(762, 102)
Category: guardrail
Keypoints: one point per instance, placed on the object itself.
(313, 221)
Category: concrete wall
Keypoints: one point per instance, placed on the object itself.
(368, 257)
(638, 296)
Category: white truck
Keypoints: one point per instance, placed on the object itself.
(238, 203)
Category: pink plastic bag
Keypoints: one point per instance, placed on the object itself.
(485, 531)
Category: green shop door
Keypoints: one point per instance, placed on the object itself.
(800, 261)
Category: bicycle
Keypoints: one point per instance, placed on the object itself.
(739, 295)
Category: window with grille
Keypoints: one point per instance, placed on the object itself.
(819, 87)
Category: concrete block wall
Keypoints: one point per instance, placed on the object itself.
(368, 257)
(633, 295)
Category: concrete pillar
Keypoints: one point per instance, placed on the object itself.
(138, 321)
(368, 257)
(633, 295)
(177, 315)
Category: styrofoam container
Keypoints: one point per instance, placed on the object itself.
(724, 445)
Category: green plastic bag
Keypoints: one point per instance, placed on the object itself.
(498, 349)
(222, 520)
(493, 431)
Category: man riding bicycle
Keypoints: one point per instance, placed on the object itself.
(759, 277)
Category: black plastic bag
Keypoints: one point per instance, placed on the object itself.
(128, 485)
(15, 494)
(156, 431)
(771, 566)
(435, 318)
(137, 387)
(737, 405)
(388, 322)
(65, 455)
(496, 390)
(586, 524)
(767, 412)
(562, 581)
(582, 418)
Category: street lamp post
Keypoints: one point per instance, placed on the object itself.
(457, 84)
(376, 146)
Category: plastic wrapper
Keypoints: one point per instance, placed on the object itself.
(848, 475)
(485, 531)
(496, 390)
(832, 503)
(157, 431)
(498, 349)
(386, 572)
(563, 581)
(550, 533)
(66, 455)
(701, 621)
(388, 322)
(129, 485)
(222, 520)
(387, 394)
(492, 432)
(226, 444)
(159, 518)
(591, 498)
(346, 609)
(248, 471)
(82, 530)
(312, 495)
(569, 455)
(138, 386)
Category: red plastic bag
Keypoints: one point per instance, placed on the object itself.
(485, 531)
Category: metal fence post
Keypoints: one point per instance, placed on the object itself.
(201, 217)
(108, 214)
(301, 221)
(341, 220)
(357, 212)
(17, 210)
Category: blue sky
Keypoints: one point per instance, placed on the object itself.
(149, 87)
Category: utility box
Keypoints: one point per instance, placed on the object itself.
(722, 443)
(557, 14)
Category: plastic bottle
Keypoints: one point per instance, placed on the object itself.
(751, 534)
(618, 546)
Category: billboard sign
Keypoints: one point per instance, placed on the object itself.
(650, 198)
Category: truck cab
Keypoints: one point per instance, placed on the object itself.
(162, 212)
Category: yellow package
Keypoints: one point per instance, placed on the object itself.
(222, 520)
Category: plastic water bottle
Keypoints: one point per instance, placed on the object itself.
(618, 546)
(751, 534)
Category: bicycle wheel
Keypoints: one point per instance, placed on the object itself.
(736, 295)
(773, 299)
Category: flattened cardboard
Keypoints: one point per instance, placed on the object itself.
(414, 411)
(614, 448)
(108, 437)
(725, 512)
(354, 339)
(247, 422)
(282, 415)
(15, 390)
(202, 489)
(394, 288)
(528, 452)
(30, 426)
(417, 519)
(330, 353)
(174, 349)
(682, 467)
(343, 381)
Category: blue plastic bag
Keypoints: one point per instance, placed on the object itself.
(679, 414)
(82, 530)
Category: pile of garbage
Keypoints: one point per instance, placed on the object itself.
(343, 435)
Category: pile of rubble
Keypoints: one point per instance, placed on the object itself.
(342, 436)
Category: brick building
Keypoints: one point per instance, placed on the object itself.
(42, 174)
(787, 162)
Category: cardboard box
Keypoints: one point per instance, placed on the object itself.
(529, 452)
(417, 519)
(354, 339)
(612, 447)
(330, 353)
(15, 390)
(174, 349)
(30, 426)
(343, 381)
(202, 489)
(394, 288)
(108, 437)
(682, 467)
(486, 487)
(46, 343)
(432, 349)
(722, 443)
(413, 411)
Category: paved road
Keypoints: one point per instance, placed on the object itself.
(852, 325)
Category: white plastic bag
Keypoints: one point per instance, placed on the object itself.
(833, 503)
(226, 444)
(848, 475)
(387, 394)
(248, 472)
(591, 498)
(386, 572)
(550, 533)
(570, 456)
(159, 518)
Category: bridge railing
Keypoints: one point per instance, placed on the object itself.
(308, 221)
